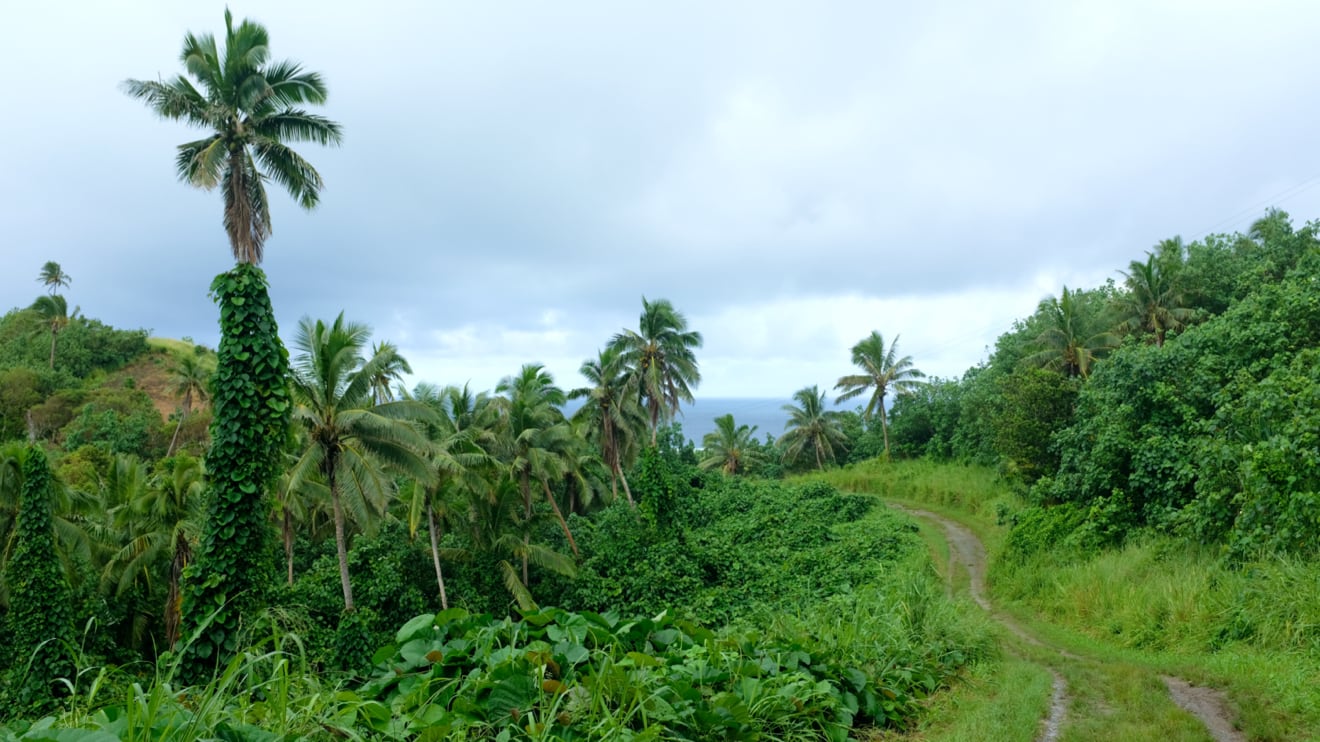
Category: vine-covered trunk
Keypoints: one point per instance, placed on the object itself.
(40, 614)
(251, 399)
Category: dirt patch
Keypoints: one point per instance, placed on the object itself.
(1207, 704)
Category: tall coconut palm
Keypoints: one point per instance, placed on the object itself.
(456, 457)
(53, 311)
(1152, 304)
(1073, 338)
(537, 438)
(812, 427)
(190, 380)
(610, 416)
(730, 447)
(351, 440)
(251, 107)
(53, 277)
(882, 371)
(660, 354)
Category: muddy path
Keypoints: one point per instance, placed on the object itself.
(966, 550)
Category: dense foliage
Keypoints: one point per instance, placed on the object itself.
(1194, 415)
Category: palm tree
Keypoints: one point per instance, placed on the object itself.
(53, 277)
(611, 416)
(250, 106)
(661, 359)
(299, 500)
(732, 448)
(54, 313)
(1071, 342)
(1152, 304)
(189, 379)
(882, 371)
(380, 386)
(811, 426)
(160, 517)
(350, 439)
(456, 457)
(498, 527)
(537, 438)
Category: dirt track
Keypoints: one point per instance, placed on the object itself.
(1207, 704)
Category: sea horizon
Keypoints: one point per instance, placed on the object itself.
(766, 414)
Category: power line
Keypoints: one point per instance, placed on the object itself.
(1277, 198)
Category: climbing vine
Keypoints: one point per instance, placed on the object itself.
(251, 417)
(41, 613)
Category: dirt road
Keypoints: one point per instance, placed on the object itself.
(1207, 704)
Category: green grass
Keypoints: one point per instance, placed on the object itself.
(176, 349)
(1155, 606)
(1000, 701)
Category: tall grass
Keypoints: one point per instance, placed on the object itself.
(975, 490)
(1171, 605)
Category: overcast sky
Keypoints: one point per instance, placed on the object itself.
(516, 176)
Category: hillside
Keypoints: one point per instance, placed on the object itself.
(111, 389)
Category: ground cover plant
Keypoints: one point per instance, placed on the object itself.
(872, 635)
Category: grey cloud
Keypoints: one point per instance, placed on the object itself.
(576, 156)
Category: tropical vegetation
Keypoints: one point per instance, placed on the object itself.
(254, 567)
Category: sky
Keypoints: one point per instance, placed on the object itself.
(516, 176)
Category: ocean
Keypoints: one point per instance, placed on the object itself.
(766, 414)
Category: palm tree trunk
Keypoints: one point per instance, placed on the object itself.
(286, 526)
(884, 427)
(525, 483)
(558, 514)
(341, 545)
(173, 598)
(435, 556)
(174, 440)
(183, 415)
(819, 463)
(626, 491)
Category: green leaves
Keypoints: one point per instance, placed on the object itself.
(248, 104)
(251, 400)
(583, 675)
(40, 610)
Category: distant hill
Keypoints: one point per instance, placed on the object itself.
(108, 389)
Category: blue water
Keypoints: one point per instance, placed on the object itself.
(767, 415)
